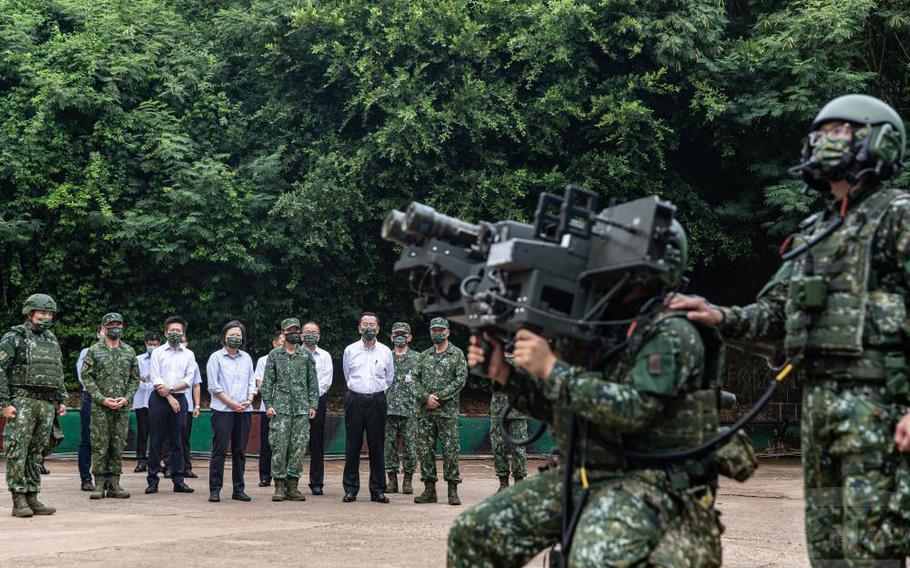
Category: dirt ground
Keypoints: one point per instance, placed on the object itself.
(763, 519)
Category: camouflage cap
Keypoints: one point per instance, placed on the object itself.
(289, 322)
(401, 326)
(113, 316)
(439, 322)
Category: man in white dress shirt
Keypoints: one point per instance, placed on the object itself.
(324, 371)
(141, 401)
(172, 369)
(368, 371)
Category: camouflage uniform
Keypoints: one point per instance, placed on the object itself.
(503, 450)
(443, 374)
(401, 423)
(31, 379)
(109, 373)
(856, 487)
(651, 397)
(291, 387)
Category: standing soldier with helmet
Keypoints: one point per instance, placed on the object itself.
(32, 392)
(839, 305)
(110, 373)
(402, 400)
(504, 453)
(441, 373)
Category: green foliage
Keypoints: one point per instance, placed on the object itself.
(235, 159)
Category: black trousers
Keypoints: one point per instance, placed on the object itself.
(142, 432)
(317, 446)
(85, 444)
(229, 428)
(165, 424)
(184, 442)
(265, 449)
(364, 413)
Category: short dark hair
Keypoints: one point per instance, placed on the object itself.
(277, 334)
(364, 314)
(233, 324)
(152, 336)
(175, 319)
(313, 323)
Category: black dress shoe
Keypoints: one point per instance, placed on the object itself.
(87, 485)
(214, 496)
(140, 467)
(152, 488)
(379, 498)
(240, 496)
(190, 475)
(265, 482)
(349, 497)
(316, 490)
(168, 473)
(182, 488)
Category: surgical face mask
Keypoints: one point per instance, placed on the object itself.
(438, 337)
(369, 333)
(292, 337)
(114, 332)
(175, 337)
(400, 340)
(45, 324)
(310, 339)
(233, 342)
(150, 348)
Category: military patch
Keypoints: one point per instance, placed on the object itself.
(3, 355)
(654, 363)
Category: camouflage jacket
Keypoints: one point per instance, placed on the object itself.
(443, 374)
(111, 373)
(498, 402)
(290, 384)
(401, 396)
(13, 349)
(622, 405)
(765, 320)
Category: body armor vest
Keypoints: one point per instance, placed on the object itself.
(39, 364)
(829, 308)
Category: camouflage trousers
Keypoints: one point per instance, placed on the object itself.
(857, 486)
(445, 430)
(108, 435)
(628, 522)
(403, 428)
(503, 450)
(25, 441)
(289, 435)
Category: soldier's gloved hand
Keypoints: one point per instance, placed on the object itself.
(533, 354)
(498, 369)
(10, 412)
(61, 410)
(902, 434)
(700, 311)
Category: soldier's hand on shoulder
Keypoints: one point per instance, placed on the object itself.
(700, 311)
(10, 412)
(533, 354)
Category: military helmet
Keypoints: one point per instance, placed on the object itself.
(878, 146)
(37, 302)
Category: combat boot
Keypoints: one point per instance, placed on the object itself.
(503, 483)
(278, 495)
(100, 488)
(392, 485)
(429, 493)
(453, 494)
(37, 506)
(406, 486)
(20, 506)
(518, 478)
(291, 492)
(114, 490)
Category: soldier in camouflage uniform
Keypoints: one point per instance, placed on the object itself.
(31, 394)
(290, 392)
(440, 375)
(402, 409)
(839, 305)
(657, 393)
(505, 453)
(110, 372)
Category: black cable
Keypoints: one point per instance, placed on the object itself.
(507, 434)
